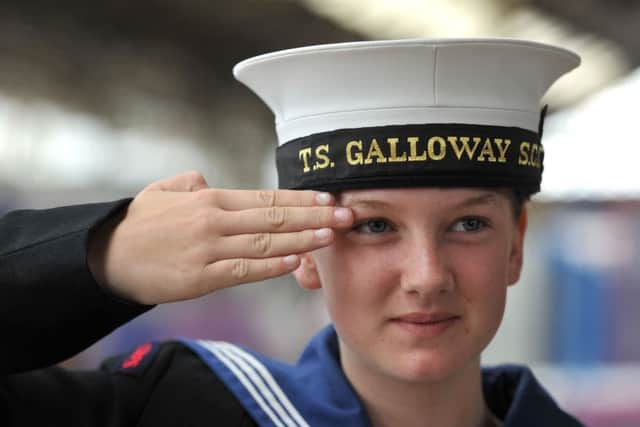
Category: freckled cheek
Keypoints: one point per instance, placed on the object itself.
(484, 312)
(482, 269)
(360, 277)
(482, 283)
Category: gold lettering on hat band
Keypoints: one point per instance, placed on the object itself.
(449, 154)
(393, 149)
(413, 142)
(321, 159)
(531, 155)
(354, 152)
(414, 149)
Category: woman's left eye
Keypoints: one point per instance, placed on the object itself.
(469, 224)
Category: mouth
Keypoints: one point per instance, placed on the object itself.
(425, 325)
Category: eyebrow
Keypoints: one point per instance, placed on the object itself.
(485, 198)
(363, 201)
(482, 199)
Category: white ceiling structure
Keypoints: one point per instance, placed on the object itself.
(44, 146)
(592, 150)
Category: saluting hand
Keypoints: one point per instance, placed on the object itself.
(180, 239)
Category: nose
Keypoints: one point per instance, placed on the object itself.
(426, 270)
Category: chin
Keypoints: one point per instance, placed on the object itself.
(418, 367)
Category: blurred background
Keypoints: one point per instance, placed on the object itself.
(99, 98)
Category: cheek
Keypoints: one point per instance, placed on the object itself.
(487, 267)
(482, 277)
(353, 280)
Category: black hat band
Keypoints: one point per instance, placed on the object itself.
(434, 155)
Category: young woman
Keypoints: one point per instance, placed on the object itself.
(423, 152)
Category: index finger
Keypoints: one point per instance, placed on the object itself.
(234, 200)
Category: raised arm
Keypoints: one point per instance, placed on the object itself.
(69, 276)
(50, 305)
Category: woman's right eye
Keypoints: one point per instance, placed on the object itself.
(373, 226)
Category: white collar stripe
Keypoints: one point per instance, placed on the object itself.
(257, 381)
(212, 347)
(271, 382)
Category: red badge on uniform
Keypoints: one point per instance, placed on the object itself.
(136, 357)
(134, 363)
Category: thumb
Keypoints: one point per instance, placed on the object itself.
(185, 182)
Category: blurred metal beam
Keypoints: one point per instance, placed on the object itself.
(86, 54)
(617, 20)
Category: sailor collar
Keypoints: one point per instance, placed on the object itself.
(315, 392)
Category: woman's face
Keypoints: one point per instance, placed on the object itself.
(416, 289)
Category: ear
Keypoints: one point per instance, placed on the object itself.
(516, 256)
(306, 274)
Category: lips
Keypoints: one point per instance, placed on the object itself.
(425, 318)
(425, 325)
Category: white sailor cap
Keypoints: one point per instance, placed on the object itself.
(459, 112)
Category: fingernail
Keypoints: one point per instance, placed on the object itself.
(341, 214)
(323, 233)
(323, 198)
(291, 260)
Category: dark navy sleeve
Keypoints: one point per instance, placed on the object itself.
(154, 385)
(51, 308)
(50, 305)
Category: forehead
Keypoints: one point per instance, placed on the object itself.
(402, 198)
